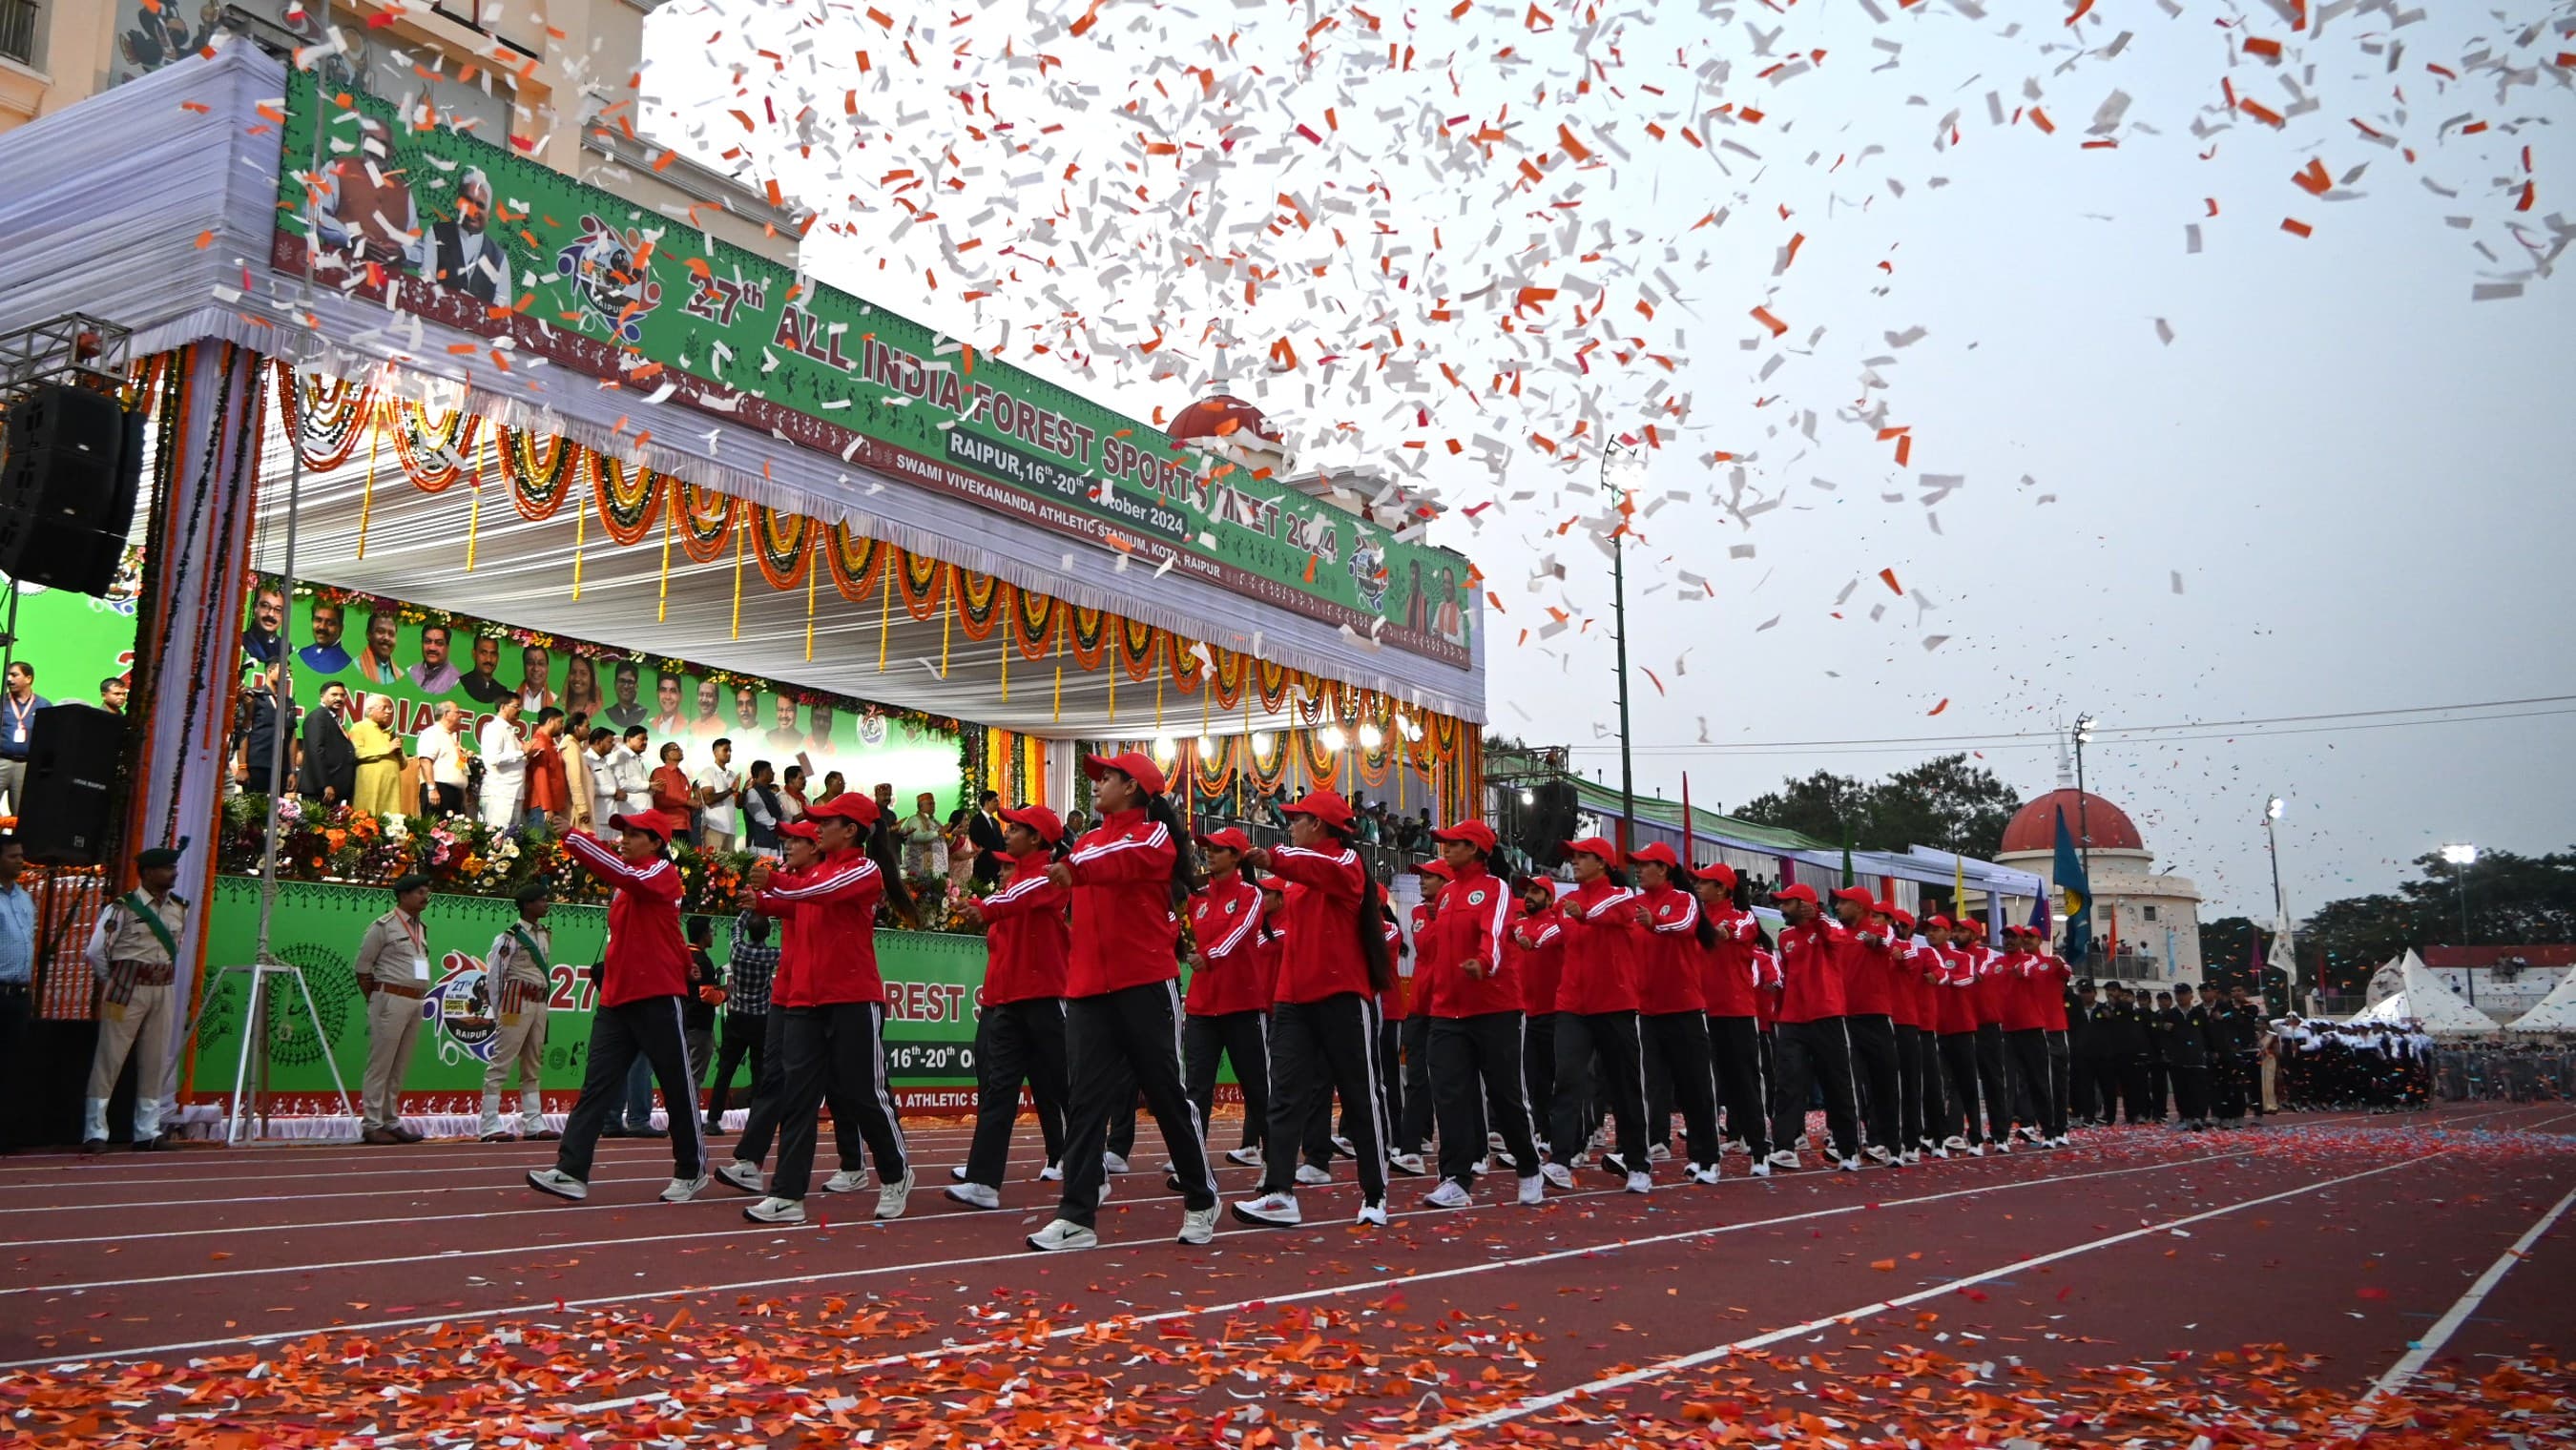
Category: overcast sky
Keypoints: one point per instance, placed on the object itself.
(2342, 485)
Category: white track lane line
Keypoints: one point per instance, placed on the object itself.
(1680, 1363)
(2423, 1350)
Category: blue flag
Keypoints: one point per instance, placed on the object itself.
(2078, 893)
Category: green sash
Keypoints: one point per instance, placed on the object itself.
(135, 902)
(519, 933)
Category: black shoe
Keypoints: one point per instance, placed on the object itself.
(648, 1132)
(91, 1147)
(615, 1130)
(713, 1130)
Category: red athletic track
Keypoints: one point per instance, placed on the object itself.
(146, 1290)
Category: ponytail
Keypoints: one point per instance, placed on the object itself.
(1185, 870)
(898, 896)
(1373, 919)
(1706, 931)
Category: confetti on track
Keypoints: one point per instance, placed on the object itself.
(2256, 1322)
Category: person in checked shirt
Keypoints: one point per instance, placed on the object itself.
(749, 966)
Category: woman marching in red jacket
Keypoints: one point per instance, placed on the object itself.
(1020, 1036)
(1672, 1010)
(835, 1002)
(1129, 878)
(1727, 987)
(1596, 1012)
(1323, 1028)
(644, 971)
(1812, 1048)
(1228, 1005)
(1463, 973)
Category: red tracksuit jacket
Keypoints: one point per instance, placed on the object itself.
(1026, 940)
(645, 955)
(1767, 989)
(1600, 973)
(1668, 954)
(1123, 924)
(1869, 986)
(1955, 995)
(1726, 969)
(1323, 956)
(1539, 937)
(1226, 920)
(828, 952)
(1811, 971)
(1474, 924)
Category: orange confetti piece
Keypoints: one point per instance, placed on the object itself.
(1884, 1266)
(2314, 180)
(1937, 709)
(1888, 578)
(205, 239)
(1763, 315)
(2296, 227)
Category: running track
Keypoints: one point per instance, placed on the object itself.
(2141, 1284)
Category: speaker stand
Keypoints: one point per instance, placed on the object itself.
(254, 1026)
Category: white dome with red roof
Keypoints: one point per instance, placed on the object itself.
(2091, 820)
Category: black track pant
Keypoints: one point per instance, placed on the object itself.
(1613, 1035)
(745, 1036)
(1681, 1040)
(2227, 1089)
(1015, 1043)
(1958, 1054)
(1909, 1082)
(1813, 1054)
(650, 1029)
(1244, 1039)
(840, 1047)
(1994, 1075)
(1735, 1049)
(1319, 1148)
(769, 1102)
(1538, 1062)
(2103, 1072)
(1116, 1044)
(1874, 1065)
(2191, 1091)
(2028, 1047)
(2060, 1066)
(1476, 1067)
(1316, 1050)
(1415, 1101)
(1122, 1125)
(2082, 1106)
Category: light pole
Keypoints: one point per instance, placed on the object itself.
(2462, 856)
(1615, 448)
(2083, 831)
(2280, 905)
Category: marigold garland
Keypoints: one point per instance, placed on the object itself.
(540, 470)
(783, 543)
(629, 499)
(979, 601)
(706, 522)
(855, 561)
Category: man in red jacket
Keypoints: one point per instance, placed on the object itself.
(1464, 976)
(1869, 1016)
(1728, 986)
(2026, 1034)
(1324, 1022)
(1990, 988)
(1954, 1038)
(1596, 1013)
(1915, 965)
(1538, 938)
(1812, 1047)
(644, 974)
(1129, 876)
(2049, 975)
(1228, 1005)
(1019, 1034)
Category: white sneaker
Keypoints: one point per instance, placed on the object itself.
(1659, 1153)
(1484, 1165)
(1941, 1152)
(745, 1176)
(2002, 1144)
(1849, 1165)
(1112, 1163)
(1343, 1146)
(1494, 1142)
(1198, 1225)
(1783, 1159)
(847, 1180)
(1955, 1143)
(1052, 1173)
(1761, 1168)
(1533, 1191)
(1249, 1155)
(974, 1195)
(1104, 1193)
(2062, 1141)
(957, 1174)
(1703, 1173)
(891, 1198)
(1372, 1214)
(559, 1183)
(1409, 1164)
(776, 1210)
(1641, 1183)
(1270, 1210)
(1310, 1176)
(1879, 1155)
(1450, 1194)
(683, 1189)
(1976, 1150)
(1734, 1145)
(1062, 1236)
(1557, 1174)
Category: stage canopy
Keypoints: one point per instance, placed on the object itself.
(2553, 1013)
(2423, 998)
(677, 448)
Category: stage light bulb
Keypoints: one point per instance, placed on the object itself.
(1371, 736)
(1332, 737)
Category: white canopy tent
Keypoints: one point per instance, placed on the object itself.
(2555, 1012)
(2443, 1012)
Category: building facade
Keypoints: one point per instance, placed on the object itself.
(2146, 923)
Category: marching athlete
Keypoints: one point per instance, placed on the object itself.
(1130, 877)
(1990, 988)
(1671, 1005)
(1954, 1037)
(1228, 1006)
(1727, 987)
(1324, 1024)
(1463, 972)
(1869, 1000)
(1538, 938)
(801, 854)
(644, 973)
(1813, 1048)
(1596, 1012)
(1020, 1035)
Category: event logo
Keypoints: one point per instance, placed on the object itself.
(609, 276)
(872, 728)
(1370, 574)
(460, 1008)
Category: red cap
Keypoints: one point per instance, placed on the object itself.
(801, 830)
(1940, 922)
(1719, 872)
(1045, 822)
(1324, 805)
(652, 822)
(1474, 833)
(1136, 765)
(1229, 839)
(1859, 894)
(1900, 916)
(849, 805)
(1660, 854)
(1800, 892)
(1595, 846)
(1434, 867)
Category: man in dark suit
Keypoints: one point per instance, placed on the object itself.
(329, 770)
(462, 255)
(985, 832)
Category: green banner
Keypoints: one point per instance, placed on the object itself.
(423, 659)
(931, 980)
(497, 245)
(75, 642)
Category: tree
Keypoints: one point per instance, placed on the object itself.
(1944, 803)
(2513, 901)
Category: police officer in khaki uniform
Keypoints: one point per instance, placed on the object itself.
(518, 976)
(131, 952)
(393, 971)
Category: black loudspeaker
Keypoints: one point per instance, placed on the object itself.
(69, 806)
(71, 461)
(1547, 821)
